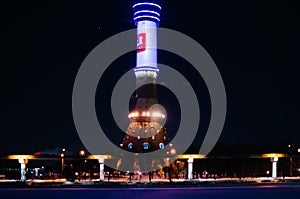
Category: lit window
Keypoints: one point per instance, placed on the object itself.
(130, 146)
(146, 145)
(161, 145)
(153, 137)
(138, 137)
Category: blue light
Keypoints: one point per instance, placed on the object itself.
(147, 11)
(130, 146)
(151, 4)
(161, 145)
(146, 146)
(146, 16)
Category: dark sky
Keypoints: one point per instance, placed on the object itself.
(255, 45)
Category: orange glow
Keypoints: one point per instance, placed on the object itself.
(99, 157)
(133, 114)
(146, 114)
(17, 157)
(272, 155)
(81, 152)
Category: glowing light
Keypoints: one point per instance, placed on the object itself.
(151, 4)
(194, 156)
(81, 152)
(146, 114)
(16, 157)
(147, 16)
(173, 151)
(134, 114)
(97, 157)
(272, 155)
(161, 145)
(146, 145)
(130, 146)
(147, 11)
(156, 114)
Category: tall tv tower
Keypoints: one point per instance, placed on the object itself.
(146, 131)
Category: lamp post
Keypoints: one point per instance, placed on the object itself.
(274, 161)
(62, 155)
(81, 154)
(291, 160)
(172, 153)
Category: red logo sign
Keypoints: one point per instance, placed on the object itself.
(141, 42)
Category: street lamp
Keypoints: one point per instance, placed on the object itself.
(291, 160)
(81, 152)
(62, 155)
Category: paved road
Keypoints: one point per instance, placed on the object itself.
(254, 192)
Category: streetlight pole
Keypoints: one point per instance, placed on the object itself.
(62, 163)
(81, 154)
(62, 155)
(291, 160)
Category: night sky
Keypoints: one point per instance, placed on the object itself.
(255, 45)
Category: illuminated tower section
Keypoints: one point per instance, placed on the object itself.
(146, 18)
(146, 132)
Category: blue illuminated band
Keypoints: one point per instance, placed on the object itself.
(145, 17)
(147, 12)
(150, 4)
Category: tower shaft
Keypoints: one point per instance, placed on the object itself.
(146, 132)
